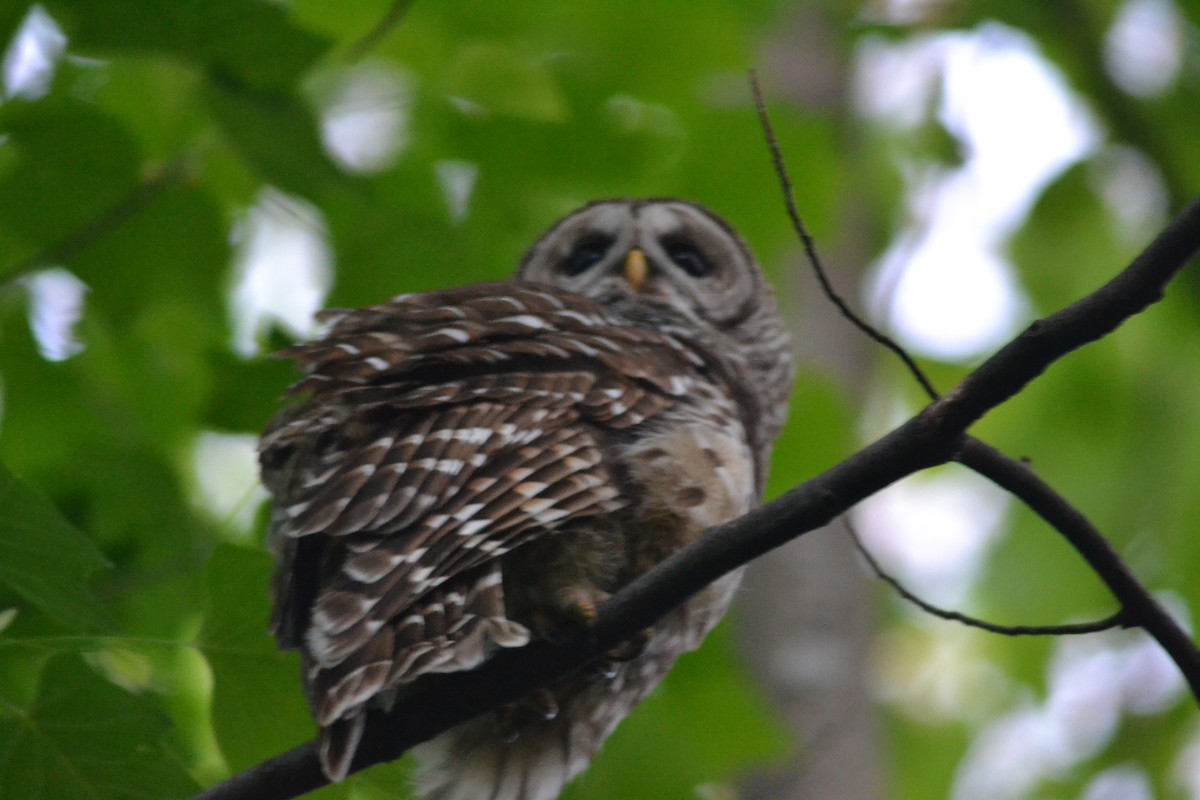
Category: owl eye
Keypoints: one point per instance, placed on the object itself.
(688, 257)
(586, 253)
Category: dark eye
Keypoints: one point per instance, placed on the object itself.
(586, 253)
(688, 257)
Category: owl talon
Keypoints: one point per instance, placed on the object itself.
(568, 606)
(579, 603)
(609, 664)
(542, 704)
(507, 723)
(606, 668)
(632, 647)
(510, 717)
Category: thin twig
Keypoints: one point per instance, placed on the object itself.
(810, 249)
(1115, 620)
(139, 197)
(396, 13)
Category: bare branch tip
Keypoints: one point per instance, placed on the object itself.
(1117, 620)
(810, 247)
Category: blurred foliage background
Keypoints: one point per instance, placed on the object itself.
(183, 183)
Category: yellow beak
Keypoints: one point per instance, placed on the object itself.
(636, 269)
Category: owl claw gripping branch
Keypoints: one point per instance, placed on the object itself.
(470, 468)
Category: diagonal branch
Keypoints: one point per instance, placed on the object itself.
(1134, 289)
(934, 436)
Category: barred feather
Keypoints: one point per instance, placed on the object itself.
(465, 469)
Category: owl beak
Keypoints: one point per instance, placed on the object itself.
(636, 269)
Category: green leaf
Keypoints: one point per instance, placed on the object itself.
(258, 703)
(181, 228)
(85, 738)
(258, 708)
(276, 136)
(252, 40)
(505, 81)
(45, 560)
(71, 163)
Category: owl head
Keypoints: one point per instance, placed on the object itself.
(664, 255)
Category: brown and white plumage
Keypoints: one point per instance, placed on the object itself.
(473, 467)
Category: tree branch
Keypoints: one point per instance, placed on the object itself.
(153, 183)
(1135, 288)
(1139, 607)
(934, 436)
(395, 15)
(814, 258)
(1069, 629)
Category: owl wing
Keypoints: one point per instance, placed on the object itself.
(439, 432)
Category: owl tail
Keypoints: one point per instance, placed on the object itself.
(493, 769)
(339, 741)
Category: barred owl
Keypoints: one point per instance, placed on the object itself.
(474, 467)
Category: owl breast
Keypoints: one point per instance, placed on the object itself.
(692, 475)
